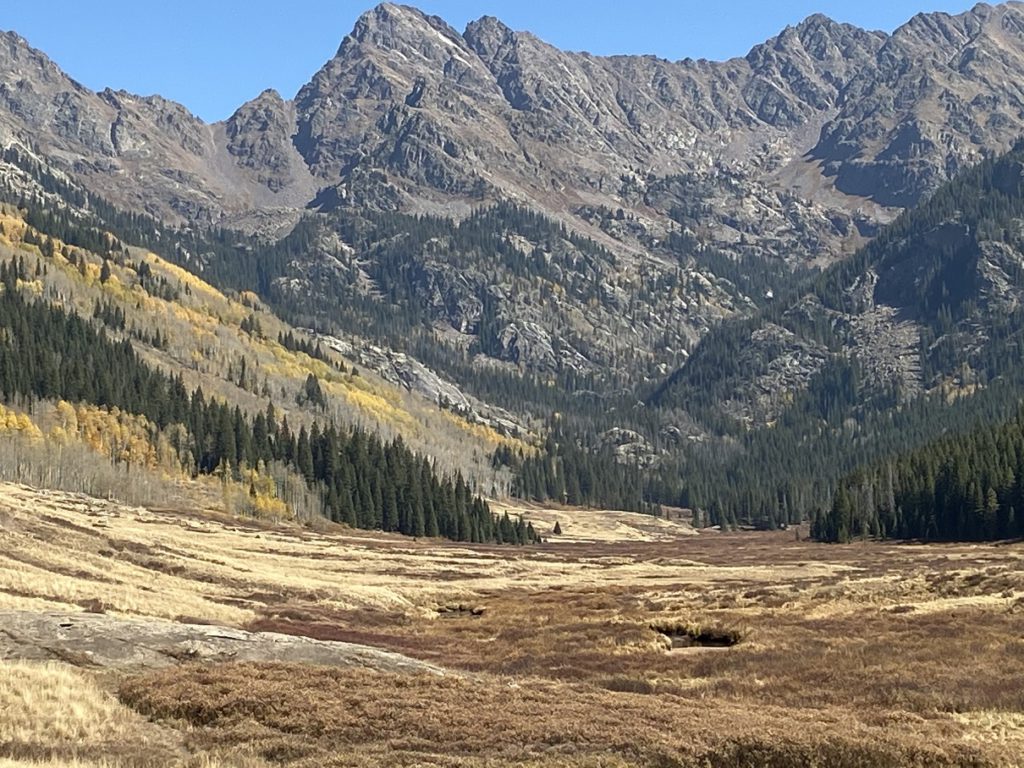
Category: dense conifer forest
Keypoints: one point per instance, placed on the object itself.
(581, 475)
(47, 354)
(967, 487)
(733, 475)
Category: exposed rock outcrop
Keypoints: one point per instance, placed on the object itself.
(96, 640)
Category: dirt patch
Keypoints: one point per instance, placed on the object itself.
(460, 610)
(61, 522)
(696, 636)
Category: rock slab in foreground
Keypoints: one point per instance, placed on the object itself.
(86, 639)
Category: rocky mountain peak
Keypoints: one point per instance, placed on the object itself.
(11, 43)
(1004, 22)
(823, 38)
(397, 27)
(942, 31)
(816, 27)
(488, 24)
(21, 63)
(410, 114)
(487, 35)
(818, 48)
(267, 99)
(938, 29)
(258, 137)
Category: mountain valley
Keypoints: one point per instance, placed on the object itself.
(489, 404)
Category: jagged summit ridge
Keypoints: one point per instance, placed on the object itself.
(392, 26)
(491, 112)
(698, 181)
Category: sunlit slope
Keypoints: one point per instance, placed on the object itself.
(234, 348)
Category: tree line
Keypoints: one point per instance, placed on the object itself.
(581, 475)
(47, 353)
(966, 487)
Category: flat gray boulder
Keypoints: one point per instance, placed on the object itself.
(99, 640)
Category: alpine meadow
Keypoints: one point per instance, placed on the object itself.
(488, 404)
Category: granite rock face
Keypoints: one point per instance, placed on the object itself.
(106, 642)
(690, 175)
(452, 119)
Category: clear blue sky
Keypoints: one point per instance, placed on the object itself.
(213, 55)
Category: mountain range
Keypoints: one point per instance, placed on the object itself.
(412, 114)
(720, 178)
(557, 231)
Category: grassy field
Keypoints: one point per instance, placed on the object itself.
(602, 648)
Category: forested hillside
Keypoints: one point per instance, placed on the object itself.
(123, 374)
(917, 335)
(965, 487)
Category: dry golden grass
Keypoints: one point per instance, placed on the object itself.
(1002, 728)
(499, 721)
(57, 552)
(52, 763)
(62, 549)
(594, 526)
(868, 654)
(143, 760)
(55, 715)
(60, 702)
(238, 759)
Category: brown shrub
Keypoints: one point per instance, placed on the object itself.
(301, 714)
